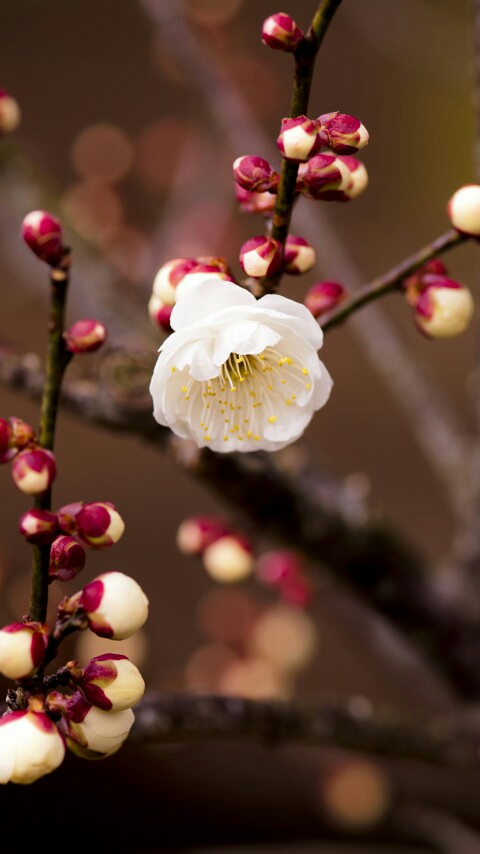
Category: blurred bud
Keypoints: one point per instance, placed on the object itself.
(90, 732)
(198, 532)
(255, 174)
(254, 679)
(413, 284)
(160, 313)
(261, 256)
(6, 435)
(356, 794)
(39, 526)
(444, 307)
(115, 605)
(297, 591)
(263, 203)
(278, 566)
(111, 682)
(99, 525)
(30, 746)
(463, 210)
(34, 471)
(298, 139)
(358, 179)
(324, 296)
(280, 32)
(22, 649)
(43, 234)
(169, 276)
(286, 637)
(343, 134)
(67, 559)
(22, 433)
(9, 113)
(321, 175)
(229, 559)
(299, 255)
(67, 517)
(85, 336)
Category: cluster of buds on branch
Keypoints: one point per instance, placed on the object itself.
(88, 710)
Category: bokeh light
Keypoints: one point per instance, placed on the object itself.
(165, 145)
(102, 152)
(356, 794)
(94, 210)
(227, 616)
(212, 12)
(286, 637)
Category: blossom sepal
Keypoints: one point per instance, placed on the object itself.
(111, 682)
(34, 470)
(30, 746)
(281, 32)
(115, 605)
(22, 649)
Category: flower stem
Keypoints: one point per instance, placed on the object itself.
(57, 360)
(392, 280)
(304, 56)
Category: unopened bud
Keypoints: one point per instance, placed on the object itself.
(39, 526)
(33, 471)
(115, 605)
(22, 649)
(90, 732)
(323, 297)
(30, 746)
(255, 174)
(111, 682)
(43, 234)
(9, 113)
(22, 433)
(358, 179)
(322, 175)
(463, 210)
(229, 559)
(413, 284)
(67, 517)
(444, 307)
(299, 255)
(280, 32)
(160, 313)
(198, 532)
(85, 336)
(343, 134)
(298, 139)
(263, 203)
(67, 558)
(99, 525)
(169, 276)
(261, 256)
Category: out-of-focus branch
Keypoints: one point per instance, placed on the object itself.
(291, 507)
(164, 718)
(392, 280)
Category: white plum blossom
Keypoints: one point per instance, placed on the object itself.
(239, 374)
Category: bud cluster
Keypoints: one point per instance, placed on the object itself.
(442, 307)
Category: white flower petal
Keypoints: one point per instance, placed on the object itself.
(243, 337)
(309, 328)
(199, 301)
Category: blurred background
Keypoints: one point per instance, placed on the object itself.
(132, 114)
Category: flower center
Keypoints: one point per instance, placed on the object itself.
(250, 394)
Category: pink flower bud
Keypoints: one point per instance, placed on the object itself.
(160, 313)
(99, 525)
(9, 113)
(85, 336)
(38, 526)
(343, 134)
(6, 435)
(463, 210)
(444, 307)
(413, 284)
(67, 517)
(30, 746)
(298, 139)
(22, 649)
(229, 559)
(111, 682)
(255, 174)
(33, 471)
(263, 203)
(90, 732)
(22, 433)
(321, 175)
(278, 566)
(115, 605)
(43, 234)
(280, 32)
(324, 296)
(198, 532)
(299, 255)
(358, 179)
(67, 558)
(169, 276)
(261, 256)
